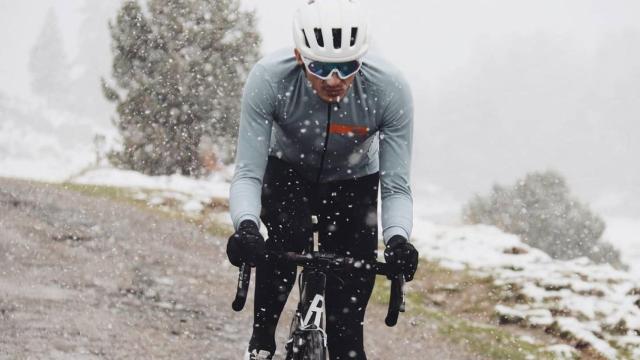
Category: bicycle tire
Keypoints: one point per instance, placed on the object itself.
(307, 345)
(292, 328)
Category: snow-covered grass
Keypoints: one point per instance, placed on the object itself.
(192, 194)
(204, 199)
(590, 304)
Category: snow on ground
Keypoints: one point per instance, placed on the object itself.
(214, 186)
(593, 304)
(192, 194)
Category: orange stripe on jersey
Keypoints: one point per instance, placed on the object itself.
(342, 129)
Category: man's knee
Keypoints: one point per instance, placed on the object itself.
(345, 341)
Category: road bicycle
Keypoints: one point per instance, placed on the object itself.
(307, 338)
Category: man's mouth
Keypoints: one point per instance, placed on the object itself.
(334, 92)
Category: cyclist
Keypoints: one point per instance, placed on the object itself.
(321, 127)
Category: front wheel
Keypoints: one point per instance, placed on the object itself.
(307, 345)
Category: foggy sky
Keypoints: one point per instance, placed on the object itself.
(501, 87)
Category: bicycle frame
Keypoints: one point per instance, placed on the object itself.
(315, 265)
(309, 317)
(311, 303)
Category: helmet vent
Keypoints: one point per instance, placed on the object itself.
(306, 41)
(337, 38)
(319, 37)
(354, 35)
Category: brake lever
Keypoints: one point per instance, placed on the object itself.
(244, 277)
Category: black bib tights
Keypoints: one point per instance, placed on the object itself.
(347, 219)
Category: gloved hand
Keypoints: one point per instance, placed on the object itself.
(246, 245)
(401, 254)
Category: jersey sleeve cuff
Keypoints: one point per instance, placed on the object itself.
(246, 217)
(391, 231)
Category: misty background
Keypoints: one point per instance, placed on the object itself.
(501, 87)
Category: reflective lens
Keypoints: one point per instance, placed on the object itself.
(324, 70)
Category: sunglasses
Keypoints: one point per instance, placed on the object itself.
(324, 70)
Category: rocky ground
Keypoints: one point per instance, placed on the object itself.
(85, 277)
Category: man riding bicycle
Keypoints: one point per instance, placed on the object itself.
(321, 128)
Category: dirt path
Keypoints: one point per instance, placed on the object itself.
(84, 277)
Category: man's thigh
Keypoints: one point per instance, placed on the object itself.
(348, 218)
(285, 207)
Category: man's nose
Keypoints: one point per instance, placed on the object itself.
(333, 80)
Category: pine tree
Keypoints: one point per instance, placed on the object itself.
(48, 64)
(180, 66)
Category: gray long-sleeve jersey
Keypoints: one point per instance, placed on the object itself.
(370, 130)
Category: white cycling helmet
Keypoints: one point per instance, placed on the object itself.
(331, 30)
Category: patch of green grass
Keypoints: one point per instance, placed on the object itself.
(623, 353)
(169, 208)
(482, 339)
(218, 229)
(110, 192)
(488, 340)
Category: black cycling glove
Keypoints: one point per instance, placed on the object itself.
(246, 245)
(402, 255)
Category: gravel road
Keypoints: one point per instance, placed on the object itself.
(84, 277)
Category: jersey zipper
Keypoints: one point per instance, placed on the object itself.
(326, 143)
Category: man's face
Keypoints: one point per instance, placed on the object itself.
(331, 90)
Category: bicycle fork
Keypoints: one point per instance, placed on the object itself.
(307, 330)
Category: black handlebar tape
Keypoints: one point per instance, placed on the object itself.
(396, 300)
(244, 276)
